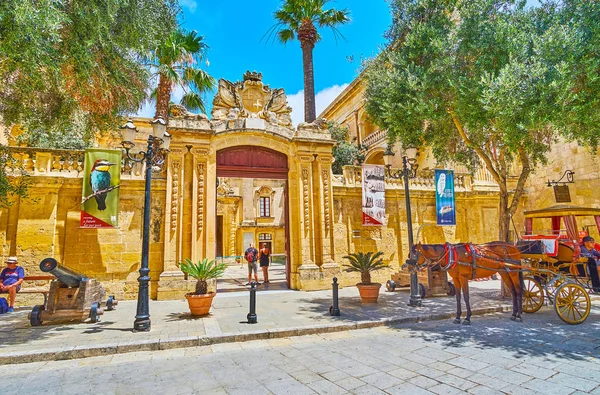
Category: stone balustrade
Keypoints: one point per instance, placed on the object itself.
(374, 138)
(64, 163)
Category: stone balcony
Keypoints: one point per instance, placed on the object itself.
(374, 138)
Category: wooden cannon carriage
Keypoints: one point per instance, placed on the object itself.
(72, 297)
(432, 281)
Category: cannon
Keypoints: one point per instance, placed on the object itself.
(72, 297)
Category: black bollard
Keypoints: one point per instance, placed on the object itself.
(252, 319)
(335, 309)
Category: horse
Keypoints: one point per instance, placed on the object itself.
(465, 262)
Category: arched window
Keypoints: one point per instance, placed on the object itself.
(264, 201)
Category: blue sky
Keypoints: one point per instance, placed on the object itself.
(234, 29)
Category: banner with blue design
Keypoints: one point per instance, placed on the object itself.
(445, 205)
(100, 192)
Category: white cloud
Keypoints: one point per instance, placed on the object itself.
(322, 100)
(189, 4)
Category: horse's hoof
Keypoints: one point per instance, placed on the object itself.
(456, 321)
(466, 322)
(512, 318)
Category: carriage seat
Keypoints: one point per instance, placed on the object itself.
(539, 244)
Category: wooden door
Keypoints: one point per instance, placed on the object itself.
(219, 235)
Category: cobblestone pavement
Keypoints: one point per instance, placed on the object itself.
(492, 356)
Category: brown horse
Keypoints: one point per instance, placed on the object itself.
(465, 262)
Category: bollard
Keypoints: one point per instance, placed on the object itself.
(252, 314)
(335, 309)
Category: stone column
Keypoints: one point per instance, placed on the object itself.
(329, 267)
(308, 271)
(200, 157)
(171, 283)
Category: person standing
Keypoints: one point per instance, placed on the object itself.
(251, 256)
(588, 251)
(264, 257)
(11, 279)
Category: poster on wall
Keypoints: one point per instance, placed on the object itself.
(100, 192)
(445, 205)
(373, 195)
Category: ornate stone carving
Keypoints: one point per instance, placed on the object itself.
(305, 196)
(325, 174)
(224, 188)
(204, 151)
(179, 111)
(319, 124)
(175, 170)
(250, 98)
(200, 192)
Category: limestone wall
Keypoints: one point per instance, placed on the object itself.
(47, 225)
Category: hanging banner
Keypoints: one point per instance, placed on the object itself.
(100, 193)
(445, 205)
(373, 195)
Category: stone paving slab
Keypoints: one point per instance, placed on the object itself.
(281, 314)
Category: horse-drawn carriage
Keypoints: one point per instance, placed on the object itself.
(554, 268)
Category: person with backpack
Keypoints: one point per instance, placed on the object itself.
(11, 279)
(251, 256)
(264, 256)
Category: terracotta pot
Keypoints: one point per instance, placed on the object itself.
(369, 293)
(200, 304)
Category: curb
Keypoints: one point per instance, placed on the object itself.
(78, 352)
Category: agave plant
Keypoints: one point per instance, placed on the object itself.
(365, 264)
(202, 271)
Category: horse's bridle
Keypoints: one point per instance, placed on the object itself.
(428, 261)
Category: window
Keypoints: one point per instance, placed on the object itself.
(265, 206)
(264, 236)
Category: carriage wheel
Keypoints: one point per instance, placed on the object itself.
(390, 285)
(572, 303)
(551, 288)
(451, 289)
(533, 295)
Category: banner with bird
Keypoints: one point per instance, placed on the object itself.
(445, 205)
(101, 183)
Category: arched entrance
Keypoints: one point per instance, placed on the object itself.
(252, 203)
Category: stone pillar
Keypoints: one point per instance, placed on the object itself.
(171, 283)
(308, 271)
(329, 267)
(200, 157)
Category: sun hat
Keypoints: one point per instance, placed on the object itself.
(12, 259)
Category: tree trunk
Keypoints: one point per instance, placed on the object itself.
(163, 97)
(309, 83)
(504, 216)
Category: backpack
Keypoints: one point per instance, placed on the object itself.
(250, 256)
(3, 305)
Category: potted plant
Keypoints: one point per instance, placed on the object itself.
(201, 300)
(365, 264)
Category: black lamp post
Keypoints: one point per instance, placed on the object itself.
(408, 171)
(154, 157)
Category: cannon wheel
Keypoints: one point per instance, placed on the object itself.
(533, 295)
(94, 316)
(35, 318)
(451, 289)
(390, 285)
(422, 291)
(572, 303)
(109, 303)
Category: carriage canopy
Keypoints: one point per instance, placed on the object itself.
(565, 212)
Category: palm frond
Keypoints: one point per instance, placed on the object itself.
(364, 263)
(203, 270)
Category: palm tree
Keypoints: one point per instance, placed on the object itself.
(364, 264)
(297, 19)
(176, 62)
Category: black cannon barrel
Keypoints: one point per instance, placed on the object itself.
(63, 274)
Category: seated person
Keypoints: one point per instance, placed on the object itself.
(10, 281)
(588, 251)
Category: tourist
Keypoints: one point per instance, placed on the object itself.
(264, 258)
(251, 256)
(588, 251)
(10, 281)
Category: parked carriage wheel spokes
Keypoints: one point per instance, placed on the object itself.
(533, 295)
(551, 288)
(572, 303)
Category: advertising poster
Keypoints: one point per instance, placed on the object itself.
(373, 195)
(100, 192)
(445, 205)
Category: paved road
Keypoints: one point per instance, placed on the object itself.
(494, 355)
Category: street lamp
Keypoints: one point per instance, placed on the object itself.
(154, 157)
(409, 170)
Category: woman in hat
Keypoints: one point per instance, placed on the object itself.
(588, 251)
(10, 281)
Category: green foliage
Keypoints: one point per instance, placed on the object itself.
(202, 271)
(344, 152)
(14, 186)
(176, 61)
(66, 63)
(365, 264)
